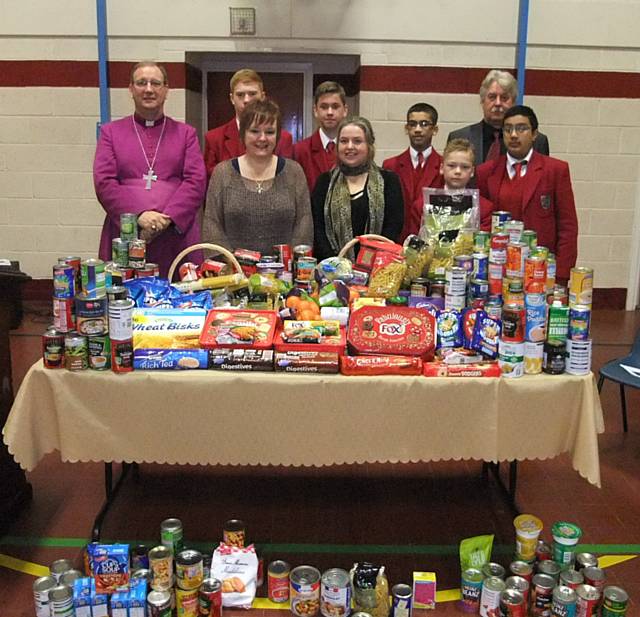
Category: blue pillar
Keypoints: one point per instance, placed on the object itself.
(103, 62)
(521, 54)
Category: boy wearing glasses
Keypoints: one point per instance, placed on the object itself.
(535, 188)
(418, 166)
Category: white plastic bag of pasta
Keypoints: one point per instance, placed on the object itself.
(237, 569)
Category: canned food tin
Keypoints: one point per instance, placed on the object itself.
(522, 569)
(149, 269)
(481, 241)
(335, 593)
(549, 567)
(513, 291)
(579, 321)
(498, 219)
(530, 237)
(542, 595)
(120, 251)
(595, 577)
(159, 604)
(61, 601)
(478, 288)
(302, 250)
(543, 552)
(493, 569)
(93, 278)
(69, 577)
(498, 250)
(551, 272)
(64, 314)
(116, 292)
(585, 560)
(535, 305)
(278, 581)
(121, 356)
(91, 314)
(144, 573)
(161, 566)
(533, 355)
(121, 319)
(587, 601)
(74, 261)
(492, 587)
(128, 226)
(471, 589)
(581, 286)
(137, 253)
(480, 265)
(234, 533)
(535, 271)
(614, 602)
(187, 602)
(53, 348)
(513, 318)
(493, 307)
(171, 535)
(41, 588)
(517, 253)
(464, 261)
(512, 603)
(284, 255)
(554, 357)
(99, 348)
(519, 584)
(76, 355)
(210, 598)
(563, 602)
(558, 322)
(189, 570)
(578, 357)
(304, 267)
(511, 358)
(304, 591)
(514, 229)
(454, 302)
(64, 281)
(139, 557)
(401, 600)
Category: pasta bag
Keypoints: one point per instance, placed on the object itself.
(370, 589)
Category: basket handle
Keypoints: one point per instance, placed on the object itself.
(345, 249)
(204, 245)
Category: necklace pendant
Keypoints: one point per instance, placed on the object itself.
(259, 188)
(149, 177)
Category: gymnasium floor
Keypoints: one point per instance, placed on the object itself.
(407, 517)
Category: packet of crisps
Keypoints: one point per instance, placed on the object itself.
(475, 552)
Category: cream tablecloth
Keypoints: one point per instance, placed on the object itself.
(205, 417)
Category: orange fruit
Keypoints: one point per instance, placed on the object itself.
(308, 305)
(307, 315)
(293, 302)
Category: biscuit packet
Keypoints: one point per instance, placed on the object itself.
(237, 569)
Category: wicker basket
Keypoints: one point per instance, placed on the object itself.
(345, 249)
(205, 245)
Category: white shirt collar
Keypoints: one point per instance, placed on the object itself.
(414, 155)
(325, 139)
(511, 161)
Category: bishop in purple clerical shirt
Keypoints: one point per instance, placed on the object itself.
(151, 165)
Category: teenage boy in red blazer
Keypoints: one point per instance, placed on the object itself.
(535, 188)
(317, 153)
(418, 166)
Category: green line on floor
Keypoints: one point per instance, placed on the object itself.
(373, 549)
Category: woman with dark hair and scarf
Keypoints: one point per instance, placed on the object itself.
(357, 197)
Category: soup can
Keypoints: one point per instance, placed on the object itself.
(161, 566)
(278, 581)
(335, 593)
(41, 588)
(91, 314)
(492, 587)
(210, 598)
(550, 568)
(171, 535)
(121, 356)
(585, 560)
(76, 354)
(471, 589)
(519, 584)
(99, 348)
(595, 577)
(517, 253)
(401, 600)
(53, 348)
(587, 601)
(304, 591)
(64, 314)
(234, 533)
(542, 586)
(189, 569)
(522, 569)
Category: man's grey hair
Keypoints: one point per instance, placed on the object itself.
(505, 80)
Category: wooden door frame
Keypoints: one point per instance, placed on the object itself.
(261, 66)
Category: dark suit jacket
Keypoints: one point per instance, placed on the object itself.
(548, 206)
(412, 191)
(312, 157)
(473, 133)
(223, 143)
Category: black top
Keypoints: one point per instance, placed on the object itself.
(393, 212)
(488, 136)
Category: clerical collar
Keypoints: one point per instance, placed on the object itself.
(511, 161)
(148, 123)
(325, 139)
(414, 155)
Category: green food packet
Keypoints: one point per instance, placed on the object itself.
(475, 552)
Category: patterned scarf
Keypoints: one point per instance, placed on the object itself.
(337, 208)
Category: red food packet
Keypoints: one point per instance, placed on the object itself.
(380, 365)
(481, 369)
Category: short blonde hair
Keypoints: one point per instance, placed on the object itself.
(245, 75)
(460, 145)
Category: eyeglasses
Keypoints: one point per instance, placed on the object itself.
(421, 123)
(143, 83)
(507, 129)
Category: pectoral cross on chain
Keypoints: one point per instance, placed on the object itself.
(149, 177)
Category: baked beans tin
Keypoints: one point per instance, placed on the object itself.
(587, 601)
(41, 588)
(498, 219)
(64, 281)
(234, 533)
(121, 356)
(614, 602)
(542, 595)
(513, 328)
(189, 569)
(335, 594)
(304, 591)
(511, 358)
(171, 535)
(522, 569)
(76, 356)
(161, 566)
(520, 584)
(563, 602)
(93, 278)
(533, 355)
(471, 590)
(64, 314)
(581, 286)
(512, 603)
(579, 321)
(159, 604)
(120, 251)
(401, 600)
(585, 560)
(91, 314)
(492, 587)
(210, 598)
(278, 581)
(548, 566)
(187, 602)
(137, 253)
(128, 226)
(99, 348)
(554, 357)
(481, 241)
(121, 319)
(514, 229)
(571, 578)
(595, 577)
(493, 569)
(53, 348)
(517, 253)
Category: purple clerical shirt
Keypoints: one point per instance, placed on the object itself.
(178, 192)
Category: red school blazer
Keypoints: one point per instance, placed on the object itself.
(312, 157)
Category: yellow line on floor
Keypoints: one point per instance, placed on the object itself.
(23, 566)
(611, 560)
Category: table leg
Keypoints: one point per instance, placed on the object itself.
(509, 492)
(111, 492)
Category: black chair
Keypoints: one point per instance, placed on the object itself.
(614, 371)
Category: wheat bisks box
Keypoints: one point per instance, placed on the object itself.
(395, 330)
(239, 328)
